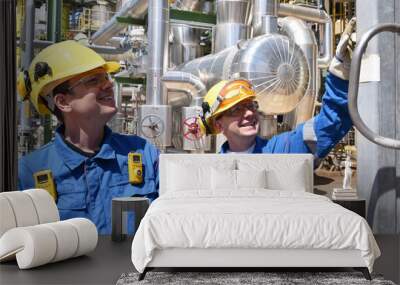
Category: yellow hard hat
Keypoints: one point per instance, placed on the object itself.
(55, 65)
(221, 97)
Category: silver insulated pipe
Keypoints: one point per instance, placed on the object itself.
(185, 43)
(263, 11)
(232, 23)
(193, 88)
(27, 56)
(304, 37)
(276, 67)
(158, 51)
(134, 8)
(315, 16)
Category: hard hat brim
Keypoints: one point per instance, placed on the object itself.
(111, 66)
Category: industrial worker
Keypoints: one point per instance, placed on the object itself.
(230, 108)
(86, 164)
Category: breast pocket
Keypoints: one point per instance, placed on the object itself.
(120, 186)
(70, 197)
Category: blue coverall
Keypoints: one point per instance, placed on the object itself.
(86, 185)
(318, 135)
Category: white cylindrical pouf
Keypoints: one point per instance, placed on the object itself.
(45, 206)
(23, 208)
(67, 239)
(87, 234)
(33, 246)
(7, 218)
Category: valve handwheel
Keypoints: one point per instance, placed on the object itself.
(152, 126)
(193, 132)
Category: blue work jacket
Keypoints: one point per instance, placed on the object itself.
(86, 185)
(318, 135)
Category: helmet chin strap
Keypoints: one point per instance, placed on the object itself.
(206, 109)
(28, 85)
(49, 101)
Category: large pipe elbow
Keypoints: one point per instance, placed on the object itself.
(315, 16)
(133, 8)
(187, 83)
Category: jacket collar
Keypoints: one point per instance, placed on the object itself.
(74, 159)
(257, 147)
(107, 150)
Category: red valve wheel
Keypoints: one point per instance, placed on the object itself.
(193, 132)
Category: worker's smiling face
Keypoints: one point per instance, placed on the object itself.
(239, 121)
(91, 97)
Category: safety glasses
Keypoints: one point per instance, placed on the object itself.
(241, 108)
(92, 81)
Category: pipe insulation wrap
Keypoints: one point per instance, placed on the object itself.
(188, 83)
(315, 16)
(157, 50)
(134, 8)
(275, 66)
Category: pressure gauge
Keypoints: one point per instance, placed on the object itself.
(152, 126)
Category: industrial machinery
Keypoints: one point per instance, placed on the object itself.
(173, 52)
(273, 45)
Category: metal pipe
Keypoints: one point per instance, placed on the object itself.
(211, 68)
(188, 5)
(355, 81)
(134, 8)
(232, 23)
(256, 59)
(269, 25)
(315, 16)
(305, 13)
(96, 48)
(117, 41)
(325, 58)
(158, 51)
(108, 49)
(185, 45)
(27, 56)
(263, 8)
(187, 83)
(42, 44)
(54, 20)
(54, 11)
(117, 121)
(304, 37)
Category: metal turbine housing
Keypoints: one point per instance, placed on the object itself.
(275, 66)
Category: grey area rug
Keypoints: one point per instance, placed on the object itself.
(228, 278)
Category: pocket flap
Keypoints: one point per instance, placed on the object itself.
(70, 197)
